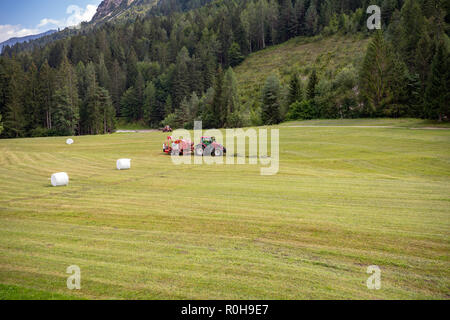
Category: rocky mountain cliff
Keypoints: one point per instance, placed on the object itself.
(106, 9)
(110, 9)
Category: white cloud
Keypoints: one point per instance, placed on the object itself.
(76, 15)
(46, 21)
(9, 31)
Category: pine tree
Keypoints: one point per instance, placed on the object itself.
(259, 24)
(209, 69)
(149, 102)
(219, 113)
(412, 26)
(429, 7)
(64, 118)
(106, 110)
(422, 63)
(182, 113)
(97, 114)
(312, 83)
(387, 9)
(90, 117)
(225, 37)
(231, 99)
(103, 75)
(373, 72)
(423, 57)
(195, 74)
(168, 106)
(3, 86)
(139, 97)
(133, 100)
(66, 113)
(270, 113)
(300, 11)
(14, 117)
(46, 82)
(194, 104)
(287, 20)
(437, 100)
(128, 105)
(240, 35)
(272, 22)
(311, 20)
(80, 71)
(234, 55)
(181, 87)
(382, 77)
(57, 54)
(295, 89)
(118, 82)
(32, 110)
(397, 86)
(71, 81)
(327, 13)
(132, 71)
(207, 111)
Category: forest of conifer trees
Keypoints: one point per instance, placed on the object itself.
(175, 66)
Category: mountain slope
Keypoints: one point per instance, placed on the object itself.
(112, 9)
(119, 10)
(13, 41)
(327, 55)
(106, 8)
(116, 11)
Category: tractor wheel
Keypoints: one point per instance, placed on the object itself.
(209, 151)
(218, 153)
(199, 151)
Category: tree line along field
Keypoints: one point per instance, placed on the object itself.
(344, 199)
(295, 60)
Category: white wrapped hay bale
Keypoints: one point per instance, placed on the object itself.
(123, 164)
(69, 141)
(60, 179)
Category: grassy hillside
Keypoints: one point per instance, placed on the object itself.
(345, 198)
(328, 55)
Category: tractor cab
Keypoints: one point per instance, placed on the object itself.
(206, 141)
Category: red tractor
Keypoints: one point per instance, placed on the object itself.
(209, 147)
(177, 147)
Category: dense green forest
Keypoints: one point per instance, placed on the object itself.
(175, 65)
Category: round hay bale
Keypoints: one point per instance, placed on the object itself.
(123, 164)
(60, 179)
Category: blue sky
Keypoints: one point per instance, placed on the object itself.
(20, 18)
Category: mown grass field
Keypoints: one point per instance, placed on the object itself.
(345, 198)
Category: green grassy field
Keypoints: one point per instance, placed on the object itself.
(345, 198)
